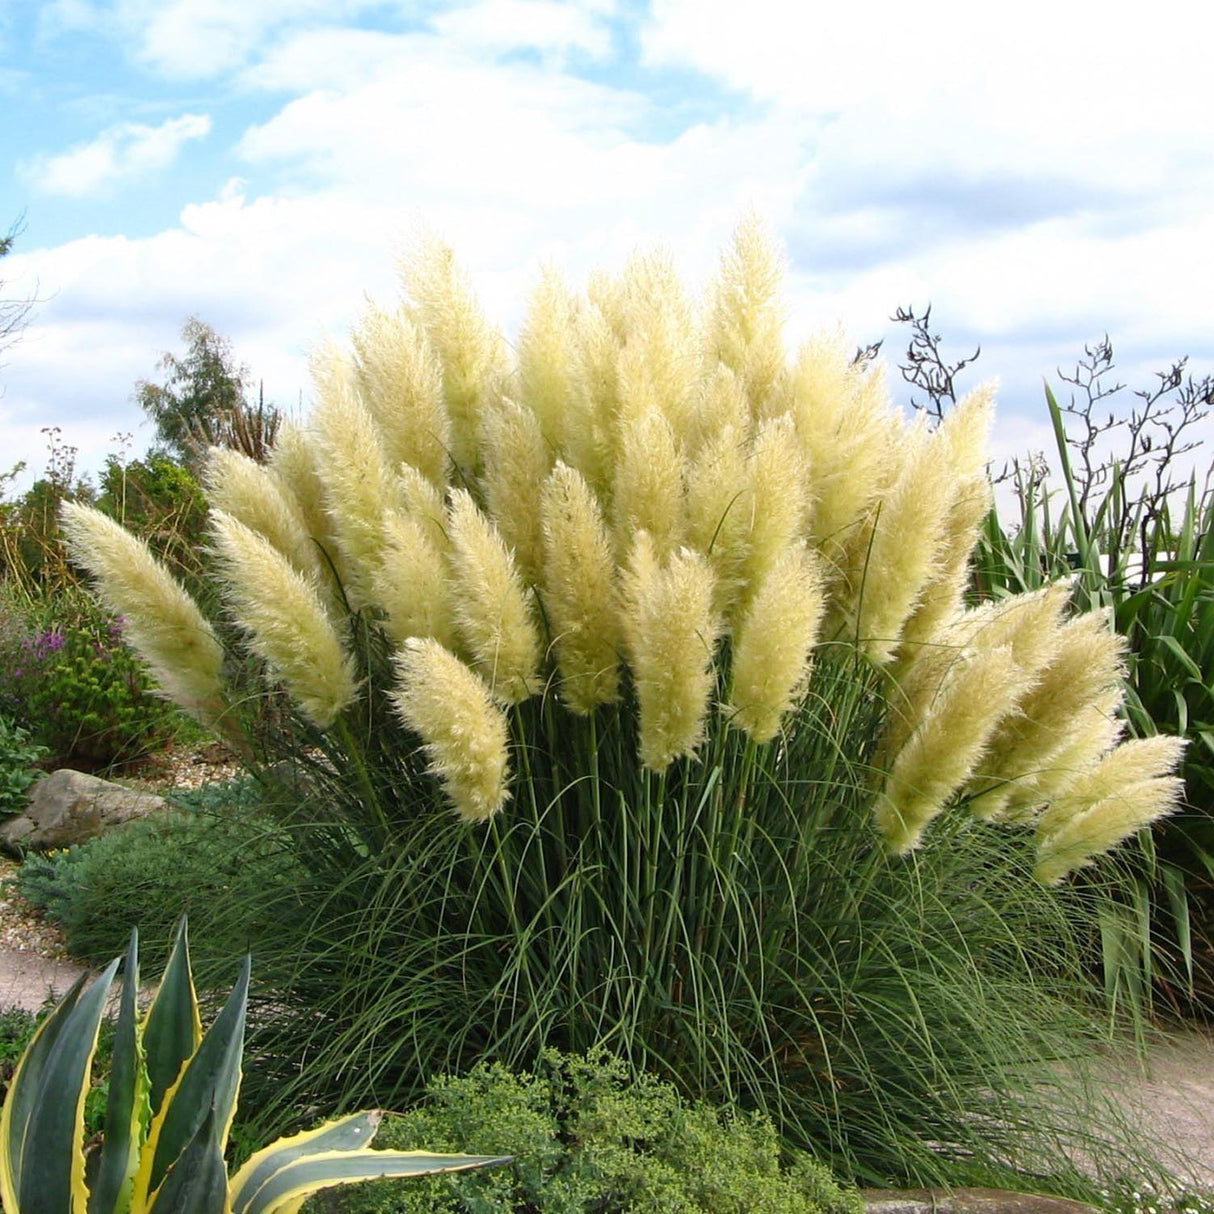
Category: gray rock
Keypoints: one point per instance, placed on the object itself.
(967, 1201)
(68, 807)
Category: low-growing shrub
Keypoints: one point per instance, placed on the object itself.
(80, 691)
(151, 871)
(588, 1136)
(18, 755)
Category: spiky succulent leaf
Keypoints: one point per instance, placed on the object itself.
(126, 1108)
(172, 1029)
(285, 1191)
(208, 1086)
(41, 1157)
(197, 1183)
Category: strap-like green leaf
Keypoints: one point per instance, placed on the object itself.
(50, 1157)
(126, 1107)
(172, 1029)
(197, 1183)
(210, 1083)
(353, 1133)
(288, 1186)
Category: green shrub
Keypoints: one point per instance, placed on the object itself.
(161, 500)
(152, 870)
(589, 1137)
(17, 771)
(78, 689)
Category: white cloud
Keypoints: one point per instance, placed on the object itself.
(506, 25)
(120, 153)
(190, 39)
(1045, 88)
(900, 165)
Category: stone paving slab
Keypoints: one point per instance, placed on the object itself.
(28, 981)
(967, 1201)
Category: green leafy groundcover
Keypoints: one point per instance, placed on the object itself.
(587, 1136)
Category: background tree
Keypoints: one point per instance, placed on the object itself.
(13, 312)
(202, 401)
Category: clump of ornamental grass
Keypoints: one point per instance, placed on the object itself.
(675, 626)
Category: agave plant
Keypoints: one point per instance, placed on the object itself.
(171, 1100)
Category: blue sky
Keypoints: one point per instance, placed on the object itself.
(1042, 173)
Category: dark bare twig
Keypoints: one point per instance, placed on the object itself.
(925, 369)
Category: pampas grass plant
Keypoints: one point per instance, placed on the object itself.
(675, 629)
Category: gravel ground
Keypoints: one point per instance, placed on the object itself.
(34, 963)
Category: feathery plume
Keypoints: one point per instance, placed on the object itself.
(772, 652)
(590, 438)
(966, 430)
(941, 753)
(670, 634)
(412, 583)
(1083, 671)
(517, 461)
(660, 359)
(1030, 623)
(293, 462)
(358, 481)
(493, 608)
(580, 594)
(719, 513)
(286, 621)
(464, 734)
(547, 357)
(401, 384)
(720, 405)
(943, 598)
(470, 351)
(1091, 736)
(745, 319)
(163, 624)
(1128, 789)
(253, 495)
(902, 553)
(778, 504)
(649, 484)
(844, 423)
(421, 500)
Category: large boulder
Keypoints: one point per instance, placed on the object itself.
(68, 807)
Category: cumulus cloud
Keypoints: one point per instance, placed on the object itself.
(125, 152)
(190, 39)
(1037, 189)
(538, 25)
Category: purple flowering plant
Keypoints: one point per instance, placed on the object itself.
(72, 682)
